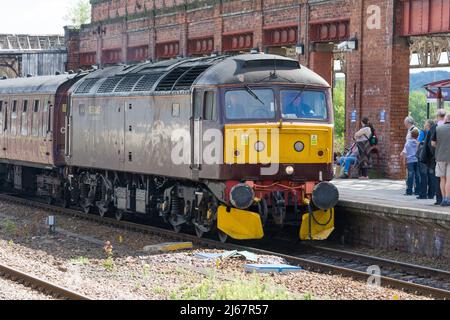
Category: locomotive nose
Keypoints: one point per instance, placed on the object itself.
(325, 196)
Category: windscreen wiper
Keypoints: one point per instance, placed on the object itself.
(298, 95)
(253, 94)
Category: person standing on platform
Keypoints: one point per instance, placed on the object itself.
(440, 120)
(410, 154)
(427, 164)
(441, 113)
(409, 124)
(441, 140)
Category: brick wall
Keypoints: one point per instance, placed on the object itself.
(72, 37)
(377, 73)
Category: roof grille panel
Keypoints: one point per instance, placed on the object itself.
(127, 83)
(146, 82)
(188, 79)
(109, 85)
(87, 85)
(167, 83)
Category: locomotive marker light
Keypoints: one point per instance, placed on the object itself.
(299, 146)
(290, 170)
(260, 146)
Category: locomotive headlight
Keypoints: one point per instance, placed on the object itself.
(290, 170)
(242, 196)
(260, 146)
(299, 146)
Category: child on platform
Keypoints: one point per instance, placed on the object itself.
(412, 163)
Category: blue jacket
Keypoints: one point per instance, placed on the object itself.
(411, 150)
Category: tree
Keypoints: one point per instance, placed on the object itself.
(79, 13)
(418, 107)
(339, 114)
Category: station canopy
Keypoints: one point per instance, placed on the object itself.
(438, 91)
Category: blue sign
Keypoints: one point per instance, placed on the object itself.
(383, 116)
(353, 119)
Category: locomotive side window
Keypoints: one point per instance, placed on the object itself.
(14, 118)
(35, 120)
(198, 103)
(24, 119)
(254, 104)
(210, 110)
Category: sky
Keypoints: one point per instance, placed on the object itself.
(34, 16)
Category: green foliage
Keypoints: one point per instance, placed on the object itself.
(418, 107)
(80, 260)
(10, 227)
(238, 289)
(79, 13)
(339, 114)
(108, 264)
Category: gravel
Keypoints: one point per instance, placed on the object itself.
(75, 258)
(10, 290)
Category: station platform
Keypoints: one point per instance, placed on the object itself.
(376, 213)
(389, 195)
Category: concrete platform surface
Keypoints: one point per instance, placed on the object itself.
(387, 196)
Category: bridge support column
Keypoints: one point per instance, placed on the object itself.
(378, 80)
(322, 63)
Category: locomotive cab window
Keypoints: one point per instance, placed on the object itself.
(256, 104)
(24, 119)
(301, 104)
(35, 119)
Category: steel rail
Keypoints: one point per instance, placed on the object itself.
(38, 284)
(386, 263)
(308, 264)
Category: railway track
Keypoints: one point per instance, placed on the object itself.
(38, 284)
(315, 258)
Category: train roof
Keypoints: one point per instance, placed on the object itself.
(179, 75)
(37, 85)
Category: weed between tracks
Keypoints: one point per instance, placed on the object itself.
(255, 288)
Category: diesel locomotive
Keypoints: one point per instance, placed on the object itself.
(226, 144)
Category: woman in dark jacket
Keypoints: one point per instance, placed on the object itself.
(426, 164)
(427, 157)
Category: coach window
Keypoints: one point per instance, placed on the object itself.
(1, 117)
(24, 119)
(35, 120)
(45, 119)
(14, 118)
(210, 111)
